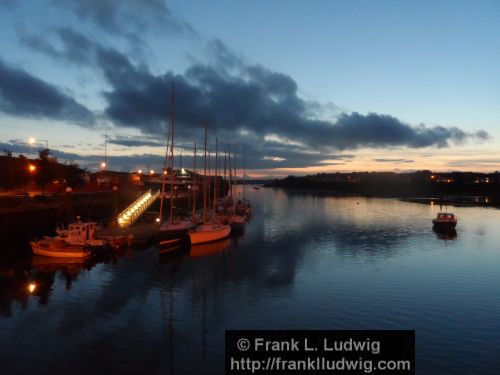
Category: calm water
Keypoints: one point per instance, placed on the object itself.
(305, 262)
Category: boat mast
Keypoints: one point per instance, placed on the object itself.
(224, 164)
(164, 170)
(209, 181)
(235, 192)
(172, 121)
(230, 175)
(205, 177)
(194, 181)
(216, 192)
(244, 165)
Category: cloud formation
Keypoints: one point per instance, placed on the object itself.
(242, 102)
(22, 94)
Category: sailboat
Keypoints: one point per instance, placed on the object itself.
(172, 233)
(208, 231)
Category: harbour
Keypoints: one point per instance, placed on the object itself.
(305, 261)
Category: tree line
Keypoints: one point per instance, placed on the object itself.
(18, 173)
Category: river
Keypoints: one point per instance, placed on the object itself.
(305, 261)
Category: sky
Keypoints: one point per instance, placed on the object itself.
(305, 87)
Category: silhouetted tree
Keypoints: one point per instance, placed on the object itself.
(46, 168)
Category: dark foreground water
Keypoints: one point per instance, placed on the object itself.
(305, 262)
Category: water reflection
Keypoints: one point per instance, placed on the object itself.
(305, 261)
(210, 248)
(449, 235)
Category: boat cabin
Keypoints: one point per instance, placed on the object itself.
(445, 216)
(79, 233)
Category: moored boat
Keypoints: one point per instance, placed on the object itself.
(174, 233)
(208, 233)
(80, 234)
(58, 248)
(445, 221)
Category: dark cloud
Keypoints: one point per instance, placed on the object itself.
(75, 47)
(257, 101)
(22, 94)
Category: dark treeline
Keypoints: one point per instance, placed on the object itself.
(17, 173)
(388, 184)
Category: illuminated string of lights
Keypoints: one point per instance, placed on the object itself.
(132, 212)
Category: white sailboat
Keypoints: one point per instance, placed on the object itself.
(208, 231)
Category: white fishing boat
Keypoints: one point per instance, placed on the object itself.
(58, 248)
(80, 234)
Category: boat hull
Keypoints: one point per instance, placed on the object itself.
(174, 237)
(66, 252)
(446, 226)
(207, 234)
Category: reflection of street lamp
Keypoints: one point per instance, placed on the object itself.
(33, 141)
(31, 287)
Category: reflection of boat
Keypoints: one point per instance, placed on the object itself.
(446, 235)
(208, 233)
(209, 248)
(59, 248)
(43, 263)
(256, 188)
(445, 221)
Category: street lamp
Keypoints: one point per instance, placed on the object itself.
(32, 168)
(103, 165)
(33, 141)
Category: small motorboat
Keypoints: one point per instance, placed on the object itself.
(58, 248)
(256, 188)
(445, 221)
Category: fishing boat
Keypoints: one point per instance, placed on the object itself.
(445, 221)
(80, 234)
(58, 248)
